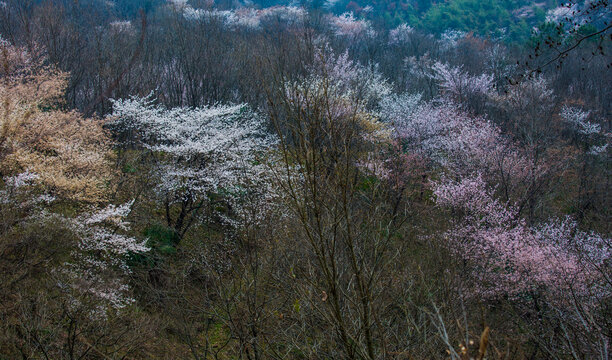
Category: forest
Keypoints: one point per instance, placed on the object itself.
(316, 179)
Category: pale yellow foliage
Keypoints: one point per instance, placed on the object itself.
(69, 153)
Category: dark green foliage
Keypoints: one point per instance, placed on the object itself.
(487, 18)
(162, 241)
(510, 19)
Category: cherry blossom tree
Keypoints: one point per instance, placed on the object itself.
(201, 151)
(360, 83)
(587, 135)
(401, 34)
(510, 258)
(346, 25)
(441, 131)
(65, 275)
(247, 18)
(462, 87)
(99, 266)
(552, 269)
(594, 138)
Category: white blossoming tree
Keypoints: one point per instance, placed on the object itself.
(99, 259)
(462, 87)
(200, 151)
(359, 83)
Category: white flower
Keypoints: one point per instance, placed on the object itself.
(26, 178)
(347, 25)
(578, 119)
(598, 150)
(122, 26)
(400, 34)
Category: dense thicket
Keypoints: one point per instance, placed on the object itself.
(329, 180)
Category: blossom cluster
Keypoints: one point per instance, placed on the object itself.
(358, 82)
(450, 38)
(508, 257)
(18, 192)
(100, 232)
(339, 90)
(401, 34)
(122, 26)
(248, 18)
(98, 263)
(209, 146)
(203, 150)
(578, 119)
(443, 132)
(348, 26)
(457, 83)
